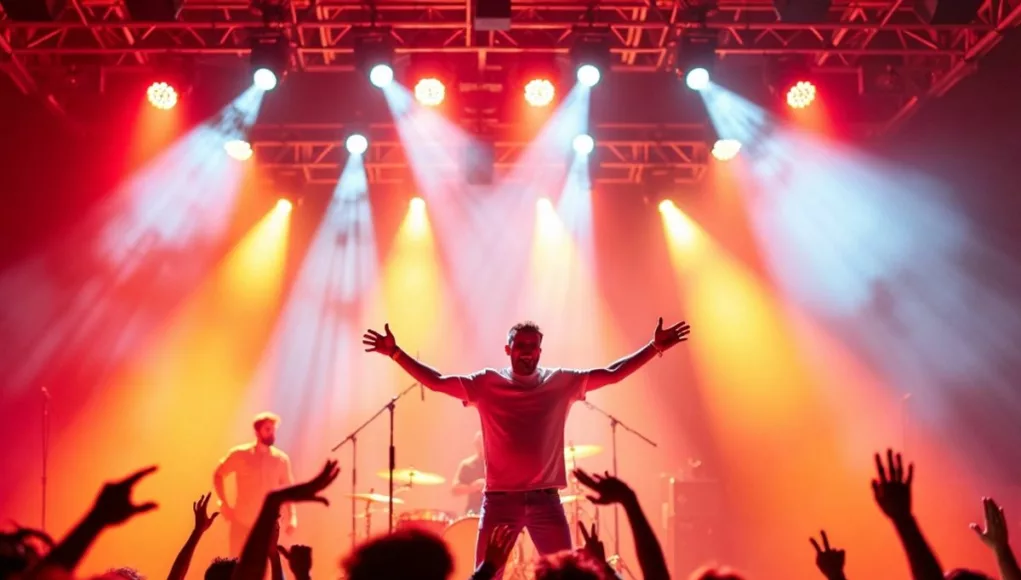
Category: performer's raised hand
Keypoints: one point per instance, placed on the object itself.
(382, 343)
(665, 338)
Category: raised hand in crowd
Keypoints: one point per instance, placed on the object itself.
(255, 555)
(607, 489)
(498, 549)
(829, 561)
(994, 535)
(299, 560)
(892, 491)
(112, 507)
(595, 549)
(203, 521)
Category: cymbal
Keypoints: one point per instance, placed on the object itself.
(412, 476)
(564, 499)
(374, 497)
(581, 451)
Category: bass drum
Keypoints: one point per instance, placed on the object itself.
(460, 537)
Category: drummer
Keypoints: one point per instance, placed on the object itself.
(471, 478)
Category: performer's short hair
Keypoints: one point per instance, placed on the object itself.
(265, 417)
(526, 325)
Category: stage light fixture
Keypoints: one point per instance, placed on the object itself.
(696, 57)
(356, 144)
(589, 75)
(584, 144)
(417, 204)
(430, 92)
(591, 57)
(726, 149)
(667, 206)
(271, 54)
(284, 205)
(238, 149)
(162, 95)
(374, 56)
(801, 94)
(697, 79)
(540, 92)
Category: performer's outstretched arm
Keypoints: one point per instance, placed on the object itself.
(663, 340)
(429, 377)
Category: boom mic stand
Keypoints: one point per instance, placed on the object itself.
(614, 423)
(391, 405)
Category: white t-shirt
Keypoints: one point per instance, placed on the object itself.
(523, 419)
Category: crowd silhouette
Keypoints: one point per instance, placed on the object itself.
(27, 554)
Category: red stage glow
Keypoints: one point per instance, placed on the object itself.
(162, 96)
(801, 94)
(430, 92)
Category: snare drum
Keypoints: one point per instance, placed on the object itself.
(435, 521)
(460, 537)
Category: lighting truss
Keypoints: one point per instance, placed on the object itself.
(625, 153)
(874, 43)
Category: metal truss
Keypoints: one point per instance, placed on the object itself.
(883, 46)
(625, 153)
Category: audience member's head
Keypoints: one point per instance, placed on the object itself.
(962, 574)
(402, 554)
(20, 550)
(221, 569)
(123, 573)
(568, 565)
(712, 573)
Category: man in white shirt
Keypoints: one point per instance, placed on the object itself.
(523, 410)
(258, 468)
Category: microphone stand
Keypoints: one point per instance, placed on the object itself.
(614, 423)
(45, 451)
(353, 438)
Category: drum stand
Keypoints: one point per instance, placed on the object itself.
(615, 560)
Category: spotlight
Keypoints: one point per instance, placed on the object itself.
(667, 206)
(374, 56)
(357, 144)
(544, 204)
(430, 92)
(270, 57)
(264, 79)
(697, 79)
(381, 75)
(801, 94)
(696, 56)
(584, 144)
(161, 95)
(591, 56)
(284, 206)
(588, 75)
(726, 149)
(540, 92)
(238, 149)
(417, 204)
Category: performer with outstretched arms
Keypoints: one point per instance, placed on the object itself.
(523, 410)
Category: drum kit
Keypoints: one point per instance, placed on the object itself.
(460, 532)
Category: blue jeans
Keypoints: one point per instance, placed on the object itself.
(539, 512)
